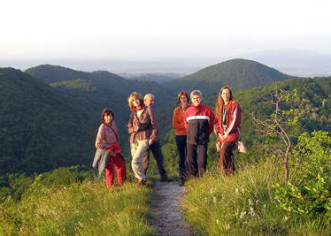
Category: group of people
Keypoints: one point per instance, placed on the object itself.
(193, 124)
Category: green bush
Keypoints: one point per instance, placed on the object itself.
(308, 193)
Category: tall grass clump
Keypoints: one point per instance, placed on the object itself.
(81, 208)
(243, 202)
(256, 201)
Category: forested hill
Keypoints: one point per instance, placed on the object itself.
(45, 126)
(103, 85)
(237, 73)
(101, 89)
(41, 127)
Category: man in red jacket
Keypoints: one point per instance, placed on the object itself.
(199, 121)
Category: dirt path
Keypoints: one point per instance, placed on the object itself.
(166, 209)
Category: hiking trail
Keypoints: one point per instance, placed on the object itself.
(167, 217)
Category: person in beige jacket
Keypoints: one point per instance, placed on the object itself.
(143, 131)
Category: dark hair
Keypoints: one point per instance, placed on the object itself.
(106, 112)
(181, 94)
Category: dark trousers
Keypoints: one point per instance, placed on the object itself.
(197, 159)
(226, 165)
(181, 149)
(158, 155)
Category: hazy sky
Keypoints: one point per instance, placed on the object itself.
(142, 29)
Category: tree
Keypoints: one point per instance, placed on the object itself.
(289, 108)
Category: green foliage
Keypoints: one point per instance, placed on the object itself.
(245, 202)
(41, 128)
(78, 208)
(217, 205)
(80, 84)
(18, 184)
(308, 193)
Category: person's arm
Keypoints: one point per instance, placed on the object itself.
(130, 124)
(175, 119)
(184, 120)
(211, 121)
(155, 129)
(100, 139)
(231, 126)
(114, 126)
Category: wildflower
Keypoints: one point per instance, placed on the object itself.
(242, 214)
(237, 190)
(252, 212)
(217, 221)
(285, 218)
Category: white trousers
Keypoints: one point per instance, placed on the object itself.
(138, 149)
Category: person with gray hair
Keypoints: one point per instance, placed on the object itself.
(154, 145)
(199, 123)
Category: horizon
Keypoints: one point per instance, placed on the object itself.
(145, 30)
(305, 67)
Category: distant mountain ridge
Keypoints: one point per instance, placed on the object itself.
(296, 62)
(236, 73)
(53, 73)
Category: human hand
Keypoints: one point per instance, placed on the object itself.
(150, 142)
(218, 146)
(221, 136)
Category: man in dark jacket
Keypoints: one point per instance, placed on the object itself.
(154, 146)
(199, 122)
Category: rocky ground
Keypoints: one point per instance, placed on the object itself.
(166, 209)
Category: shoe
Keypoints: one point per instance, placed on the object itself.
(165, 178)
(142, 182)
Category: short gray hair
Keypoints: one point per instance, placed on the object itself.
(195, 92)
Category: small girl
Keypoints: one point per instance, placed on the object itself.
(108, 151)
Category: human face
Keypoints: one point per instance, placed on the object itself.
(108, 118)
(136, 103)
(196, 100)
(226, 95)
(183, 101)
(149, 101)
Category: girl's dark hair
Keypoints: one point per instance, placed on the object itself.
(106, 112)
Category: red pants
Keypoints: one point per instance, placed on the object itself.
(119, 163)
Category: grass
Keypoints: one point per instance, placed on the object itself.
(243, 203)
(80, 209)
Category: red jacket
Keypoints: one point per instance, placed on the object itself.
(199, 122)
(178, 121)
(231, 123)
